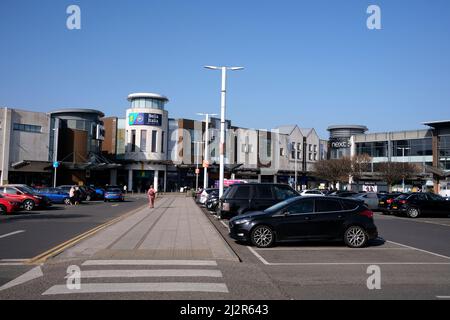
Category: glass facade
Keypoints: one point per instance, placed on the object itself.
(444, 152)
(413, 148)
(373, 149)
(147, 103)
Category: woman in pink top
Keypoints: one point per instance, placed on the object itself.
(151, 196)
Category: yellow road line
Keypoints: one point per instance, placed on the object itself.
(41, 258)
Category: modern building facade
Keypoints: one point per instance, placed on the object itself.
(427, 148)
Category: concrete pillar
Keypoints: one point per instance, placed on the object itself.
(275, 178)
(259, 178)
(6, 142)
(165, 180)
(130, 180)
(113, 177)
(155, 180)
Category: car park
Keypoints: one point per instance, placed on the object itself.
(242, 198)
(312, 218)
(370, 199)
(415, 205)
(55, 195)
(114, 194)
(8, 205)
(26, 196)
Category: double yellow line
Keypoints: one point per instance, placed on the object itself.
(43, 257)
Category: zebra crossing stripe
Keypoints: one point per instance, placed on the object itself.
(149, 273)
(149, 263)
(139, 287)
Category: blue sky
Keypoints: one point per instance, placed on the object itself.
(313, 63)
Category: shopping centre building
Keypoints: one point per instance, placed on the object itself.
(428, 148)
(147, 147)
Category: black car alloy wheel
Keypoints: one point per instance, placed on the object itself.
(355, 237)
(2, 210)
(262, 237)
(413, 212)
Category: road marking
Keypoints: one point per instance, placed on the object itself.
(70, 243)
(139, 287)
(11, 234)
(151, 273)
(361, 264)
(114, 205)
(13, 260)
(149, 263)
(28, 276)
(443, 297)
(264, 261)
(329, 249)
(414, 220)
(421, 250)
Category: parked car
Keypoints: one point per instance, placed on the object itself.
(114, 194)
(343, 194)
(415, 205)
(55, 195)
(242, 198)
(311, 218)
(27, 197)
(8, 205)
(370, 199)
(100, 192)
(204, 195)
(309, 193)
(88, 193)
(385, 199)
(213, 200)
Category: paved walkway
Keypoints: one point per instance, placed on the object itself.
(175, 229)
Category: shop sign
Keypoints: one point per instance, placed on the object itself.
(145, 119)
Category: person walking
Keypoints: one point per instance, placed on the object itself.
(151, 196)
(72, 195)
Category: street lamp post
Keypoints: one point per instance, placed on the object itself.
(222, 121)
(206, 156)
(55, 155)
(403, 156)
(197, 170)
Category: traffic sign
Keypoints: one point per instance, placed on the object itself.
(56, 164)
(205, 164)
(197, 171)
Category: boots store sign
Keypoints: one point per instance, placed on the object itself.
(340, 143)
(145, 119)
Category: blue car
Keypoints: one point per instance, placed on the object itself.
(100, 192)
(55, 195)
(114, 194)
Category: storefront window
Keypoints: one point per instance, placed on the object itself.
(444, 152)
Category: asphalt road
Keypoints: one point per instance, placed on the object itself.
(26, 235)
(412, 255)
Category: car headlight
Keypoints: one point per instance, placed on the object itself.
(242, 221)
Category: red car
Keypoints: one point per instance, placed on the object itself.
(8, 205)
(25, 195)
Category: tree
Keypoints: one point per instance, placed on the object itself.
(360, 164)
(334, 170)
(395, 172)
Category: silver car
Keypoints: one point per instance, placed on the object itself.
(370, 199)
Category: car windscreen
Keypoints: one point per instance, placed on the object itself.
(113, 190)
(26, 190)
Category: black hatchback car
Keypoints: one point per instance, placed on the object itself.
(417, 204)
(312, 218)
(242, 198)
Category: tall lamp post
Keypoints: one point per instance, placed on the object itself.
(197, 170)
(403, 156)
(206, 156)
(222, 121)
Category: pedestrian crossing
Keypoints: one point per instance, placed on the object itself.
(144, 276)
